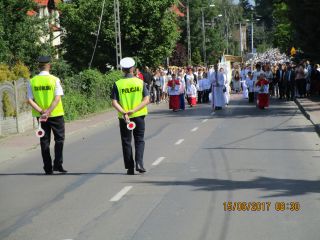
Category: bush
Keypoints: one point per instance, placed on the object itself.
(18, 71)
(6, 74)
(21, 71)
(7, 106)
(61, 69)
(88, 92)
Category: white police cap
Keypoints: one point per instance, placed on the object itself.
(127, 62)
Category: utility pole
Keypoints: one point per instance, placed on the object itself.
(227, 29)
(241, 47)
(188, 32)
(252, 33)
(204, 39)
(117, 32)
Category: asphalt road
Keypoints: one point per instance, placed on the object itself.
(242, 174)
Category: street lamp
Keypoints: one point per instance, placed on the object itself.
(252, 21)
(204, 35)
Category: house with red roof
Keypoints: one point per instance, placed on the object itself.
(47, 9)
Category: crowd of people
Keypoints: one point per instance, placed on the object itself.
(267, 75)
(191, 85)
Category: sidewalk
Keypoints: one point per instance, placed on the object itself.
(310, 107)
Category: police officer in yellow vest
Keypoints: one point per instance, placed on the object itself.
(130, 97)
(44, 95)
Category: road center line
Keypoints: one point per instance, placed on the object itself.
(194, 129)
(204, 120)
(120, 194)
(179, 141)
(158, 161)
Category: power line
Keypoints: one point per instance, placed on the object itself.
(98, 33)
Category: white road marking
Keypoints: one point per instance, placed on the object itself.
(204, 120)
(120, 194)
(158, 161)
(194, 129)
(179, 141)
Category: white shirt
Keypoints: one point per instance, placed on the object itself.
(58, 91)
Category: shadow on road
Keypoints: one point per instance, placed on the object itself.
(278, 187)
(59, 174)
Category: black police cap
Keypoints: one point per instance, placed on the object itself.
(44, 59)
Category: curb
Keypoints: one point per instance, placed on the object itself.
(308, 116)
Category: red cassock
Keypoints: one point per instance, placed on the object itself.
(263, 95)
(193, 101)
(174, 99)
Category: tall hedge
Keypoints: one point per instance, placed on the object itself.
(88, 92)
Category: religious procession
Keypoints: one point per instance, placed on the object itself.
(268, 75)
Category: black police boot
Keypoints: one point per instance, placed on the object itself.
(48, 171)
(59, 169)
(130, 171)
(140, 168)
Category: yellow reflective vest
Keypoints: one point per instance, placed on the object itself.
(131, 95)
(43, 90)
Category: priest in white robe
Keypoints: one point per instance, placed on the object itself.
(218, 80)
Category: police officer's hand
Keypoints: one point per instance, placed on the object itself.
(43, 118)
(126, 117)
(130, 112)
(44, 115)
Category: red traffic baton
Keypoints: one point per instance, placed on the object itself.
(40, 132)
(131, 125)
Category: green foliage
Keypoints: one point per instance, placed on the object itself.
(304, 17)
(18, 71)
(196, 57)
(20, 33)
(61, 69)
(5, 73)
(215, 27)
(148, 28)
(263, 47)
(283, 29)
(88, 92)
(7, 107)
(21, 71)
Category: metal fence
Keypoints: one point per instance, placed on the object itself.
(13, 95)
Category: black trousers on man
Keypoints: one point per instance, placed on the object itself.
(290, 91)
(56, 125)
(251, 97)
(126, 139)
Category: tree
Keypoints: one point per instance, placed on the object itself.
(148, 31)
(216, 27)
(283, 31)
(196, 57)
(179, 56)
(20, 34)
(304, 16)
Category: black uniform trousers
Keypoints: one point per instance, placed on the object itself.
(126, 139)
(56, 125)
